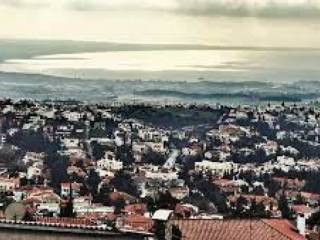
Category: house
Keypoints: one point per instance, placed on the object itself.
(269, 203)
(162, 215)
(65, 189)
(48, 208)
(32, 157)
(94, 210)
(185, 210)
(41, 195)
(9, 184)
(71, 143)
(158, 173)
(229, 186)
(34, 171)
(304, 210)
(179, 192)
(262, 229)
(218, 168)
(109, 162)
(137, 208)
(231, 133)
(72, 116)
(135, 223)
(270, 147)
(292, 184)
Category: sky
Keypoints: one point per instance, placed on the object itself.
(275, 23)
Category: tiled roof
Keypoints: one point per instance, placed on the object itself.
(138, 222)
(135, 208)
(196, 229)
(301, 208)
(310, 196)
(284, 227)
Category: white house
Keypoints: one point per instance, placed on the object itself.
(65, 189)
(110, 162)
(219, 168)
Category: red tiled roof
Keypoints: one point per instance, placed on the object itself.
(257, 198)
(284, 227)
(196, 229)
(301, 208)
(223, 182)
(311, 196)
(114, 196)
(183, 210)
(135, 208)
(138, 222)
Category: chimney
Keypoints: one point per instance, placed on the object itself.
(301, 224)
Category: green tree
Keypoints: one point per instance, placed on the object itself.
(284, 207)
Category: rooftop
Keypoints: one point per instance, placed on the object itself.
(194, 229)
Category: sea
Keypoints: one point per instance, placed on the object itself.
(116, 72)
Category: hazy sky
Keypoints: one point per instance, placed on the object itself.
(214, 22)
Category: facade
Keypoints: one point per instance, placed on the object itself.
(9, 184)
(109, 162)
(218, 168)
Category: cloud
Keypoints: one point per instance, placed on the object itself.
(255, 8)
(24, 3)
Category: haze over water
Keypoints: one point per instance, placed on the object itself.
(174, 50)
(186, 65)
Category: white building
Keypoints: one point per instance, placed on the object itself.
(72, 116)
(33, 157)
(65, 189)
(219, 168)
(34, 171)
(109, 162)
(286, 161)
(51, 207)
(93, 209)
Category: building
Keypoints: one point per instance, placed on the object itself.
(9, 184)
(262, 229)
(65, 189)
(218, 168)
(109, 162)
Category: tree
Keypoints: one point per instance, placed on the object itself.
(166, 201)
(314, 219)
(240, 207)
(299, 199)
(176, 233)
(93, 181)
(154, 158)
(58, 168)
(151, 204)
(284, 207)
(258, 191)
(122, 181)
(98, 151)
(213, 194)
(257, 210)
